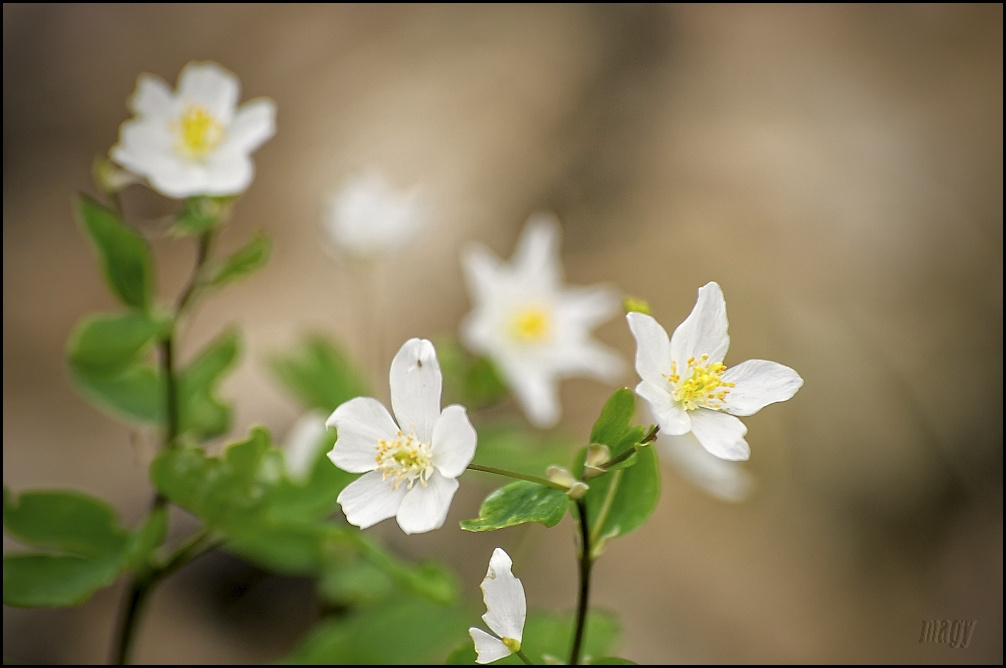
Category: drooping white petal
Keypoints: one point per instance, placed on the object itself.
(704, 331)
(720, 434)
(454, 440)
(535, 390)
(370, 499)
(653, 348)
(425, 507)
(672, 418)
(416, 383)
(211, 86)
(489, 648)
(362, 422)
(506, 605)
(253, 124)
(153, 98)
(726, 480)
(537, 255)
(758, 383)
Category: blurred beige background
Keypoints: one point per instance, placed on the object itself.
(837, 169)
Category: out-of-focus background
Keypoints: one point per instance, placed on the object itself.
(837, 169)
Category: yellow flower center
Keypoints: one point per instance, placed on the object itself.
(199, 133)
(404, 459)
(532, 324)
(702, 386)
(512, 644)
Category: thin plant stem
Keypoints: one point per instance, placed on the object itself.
(586, 563)
(523, 657)
(518, 476)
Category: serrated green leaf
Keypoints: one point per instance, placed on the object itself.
(319, 374)
(242, 262)
(107, 344)
(201, 412)
(408, 631)
(46, 580)
(126, 261)
(65, 521)
(134, 393)
(622, 500)
(517, 503)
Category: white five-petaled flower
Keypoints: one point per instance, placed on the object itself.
(410, 468)
(535, 329)
(366, 217)
(689, 389)
(506, 611)
(194, 141)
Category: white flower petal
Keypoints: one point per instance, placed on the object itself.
(506, 605)
(425, 507)
(370, 499)
(536, 258)
(253, 124)
(483, 272)
(720, 434)
(653, 348)
(489, 648)
(535, 390)
(211, 86)
(758, 383)
(704, 331)
(302, 444)
(153, 98)
(416, 383)
(227, 173)
(361, 422)
(585, 358)
(723, 479)
(587, 307)
(367, 217)
(454, 440)
(671, 418)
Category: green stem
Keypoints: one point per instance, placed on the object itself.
(650, 437)
(523, 657)
(518, 476)
(583, 595)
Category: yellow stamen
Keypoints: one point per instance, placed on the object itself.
(199, 133)
(532, 324)
(404, 459)
(703, 387)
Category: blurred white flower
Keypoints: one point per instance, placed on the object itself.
(194, 141)
(533, 327)
(506, 611)
(723, 479)
(411, 467)
(366, 217)
(303, 443)
(688, 387)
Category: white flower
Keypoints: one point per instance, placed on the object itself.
(193, 141)
(725, 480)
(410, 467)
(303, 444)
(688, 387)
(366, 217)
(535, 329)
(506, 610)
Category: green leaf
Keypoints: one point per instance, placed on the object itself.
(407, 631)
(148, 538)
(517, 503)
(244, 261)
(355, 582)
(83, 529)
(428, 579)
(107, 344)
(46, 580)
(515, 448)
(135, 393)
(319, 374)
(201, 412)
(470, 380)
(125, 257)
(622, 500)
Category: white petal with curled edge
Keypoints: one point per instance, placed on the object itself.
(721, 434)
(370, 499)
(454, 441)
(506, 605)
(415, 388)
(653, 348)
(425, 507)
(672, 418)
(488, 647)
(362, 422)
(704, 331)
(758, 383)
